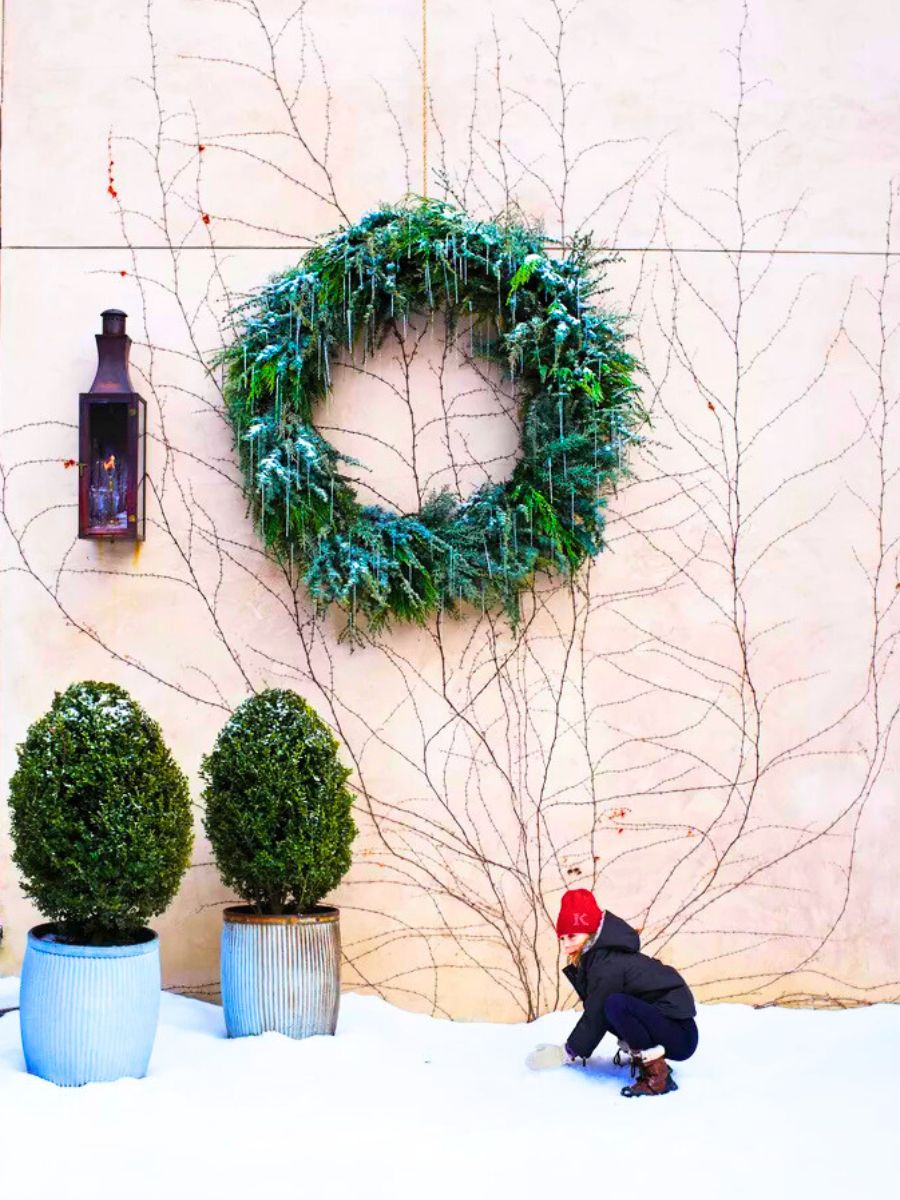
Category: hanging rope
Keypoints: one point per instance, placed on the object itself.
(424, 97)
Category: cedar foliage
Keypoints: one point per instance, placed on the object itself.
(538, 318)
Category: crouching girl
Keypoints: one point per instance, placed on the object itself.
(646, 1004)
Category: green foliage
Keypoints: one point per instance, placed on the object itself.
(278, 811)
(101, 815)
(537, 318)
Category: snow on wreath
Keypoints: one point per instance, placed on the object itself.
(578, 408)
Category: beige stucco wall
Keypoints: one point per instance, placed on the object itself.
(703, 727)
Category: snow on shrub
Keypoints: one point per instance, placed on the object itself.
(101, 815)
(278, 812)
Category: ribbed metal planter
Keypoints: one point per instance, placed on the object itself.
(281, 974)
(88, 1013)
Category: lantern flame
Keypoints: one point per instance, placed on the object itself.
(109, 463)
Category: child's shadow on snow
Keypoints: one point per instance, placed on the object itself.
(603, 1070)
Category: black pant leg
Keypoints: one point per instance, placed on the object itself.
(642, 1025)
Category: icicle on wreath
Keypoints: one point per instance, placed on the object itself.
(578, 406)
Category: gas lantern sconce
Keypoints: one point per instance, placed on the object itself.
(112, 425)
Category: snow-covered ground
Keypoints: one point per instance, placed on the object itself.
(775, 1103)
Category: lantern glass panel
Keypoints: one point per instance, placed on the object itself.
(109, 469)
(141, 477)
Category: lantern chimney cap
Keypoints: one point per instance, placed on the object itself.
(113, 321)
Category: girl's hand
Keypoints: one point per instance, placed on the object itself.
(544, 1057)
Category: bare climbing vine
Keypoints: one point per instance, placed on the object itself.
(693, 726)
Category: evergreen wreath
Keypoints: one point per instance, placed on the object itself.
(537, 319)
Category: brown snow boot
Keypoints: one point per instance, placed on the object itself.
(654, 1075)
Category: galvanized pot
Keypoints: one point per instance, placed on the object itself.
(281, 974)
(88, 1013)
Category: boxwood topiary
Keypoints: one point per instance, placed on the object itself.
(101, 815)
(278, 811)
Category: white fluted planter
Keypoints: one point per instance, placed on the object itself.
(281, 974)
(88, 1013)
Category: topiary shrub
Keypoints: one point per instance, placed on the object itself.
(101, 815)
(278, 811)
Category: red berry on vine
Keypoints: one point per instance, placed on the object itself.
(710, 406)
(206, 218)
(201, 147)
(123, 272)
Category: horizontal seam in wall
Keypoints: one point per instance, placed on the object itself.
(552, 245)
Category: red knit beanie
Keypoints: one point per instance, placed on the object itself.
(578, 913)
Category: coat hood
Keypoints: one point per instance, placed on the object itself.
(616, 934)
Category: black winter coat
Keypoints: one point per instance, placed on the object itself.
(614, 964)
